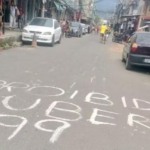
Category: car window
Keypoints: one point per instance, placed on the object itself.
(42, 22)
(56, 25)
(74, 24)
(143, 38)
(133, 38)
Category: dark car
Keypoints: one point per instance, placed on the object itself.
(137, 50)
(76, 28)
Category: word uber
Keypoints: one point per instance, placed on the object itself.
(72, 111)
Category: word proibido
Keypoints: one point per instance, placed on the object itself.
(56, 109)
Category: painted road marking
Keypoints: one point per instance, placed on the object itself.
(73, 112)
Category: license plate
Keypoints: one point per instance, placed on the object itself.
(147, 60)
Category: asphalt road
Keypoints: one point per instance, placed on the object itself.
(74, 96)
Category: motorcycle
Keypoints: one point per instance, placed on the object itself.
(117, 37)
(68, 33)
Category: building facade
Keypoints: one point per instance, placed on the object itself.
(58, 9)
(77, 10)
(87, 10)
(145, 19)
(131, 13)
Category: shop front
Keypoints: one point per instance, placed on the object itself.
(129, 21)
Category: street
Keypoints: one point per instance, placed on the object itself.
(76, 95)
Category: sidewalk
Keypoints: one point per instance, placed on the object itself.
(11, 38)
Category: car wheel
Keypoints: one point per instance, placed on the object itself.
(80, 35)
(59, 39)
(122, 59)
(23, 42)
(53, 41)
(128, 64)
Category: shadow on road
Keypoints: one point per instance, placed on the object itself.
(138, 69)
(142, 70)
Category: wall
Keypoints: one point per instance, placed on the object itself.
(87, 6)
(147, 8)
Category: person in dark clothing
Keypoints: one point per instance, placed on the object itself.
(1, 20)
(130, 31)
(21, 18)
(116, 27)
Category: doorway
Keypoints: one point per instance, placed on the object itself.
(6, 10)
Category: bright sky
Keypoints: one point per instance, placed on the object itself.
(106, 4)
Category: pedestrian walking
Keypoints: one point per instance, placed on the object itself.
(97, 29)
(20, 18)
(67, 29)
(63, 26)
(14, 12)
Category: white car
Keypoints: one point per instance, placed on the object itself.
(47, 31)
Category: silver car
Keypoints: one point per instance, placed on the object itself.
(76, 29)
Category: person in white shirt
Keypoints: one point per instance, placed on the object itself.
(13, 11)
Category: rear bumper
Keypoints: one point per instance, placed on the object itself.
(139, 60)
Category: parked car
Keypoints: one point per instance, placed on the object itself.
(76, 29)
(83, 28)
(137, 50)
(47, 31)
(86, 28)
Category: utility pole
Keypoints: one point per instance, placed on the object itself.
(80, 10)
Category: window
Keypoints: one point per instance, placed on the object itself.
(42, 22)
(143, 38)
(56, 25)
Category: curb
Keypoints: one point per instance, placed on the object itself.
(8, 42)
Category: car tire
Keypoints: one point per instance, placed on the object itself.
(128, 64)
(59, 39)
(80, 35)
(53, 42)
(23, 42)
(122, 59)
